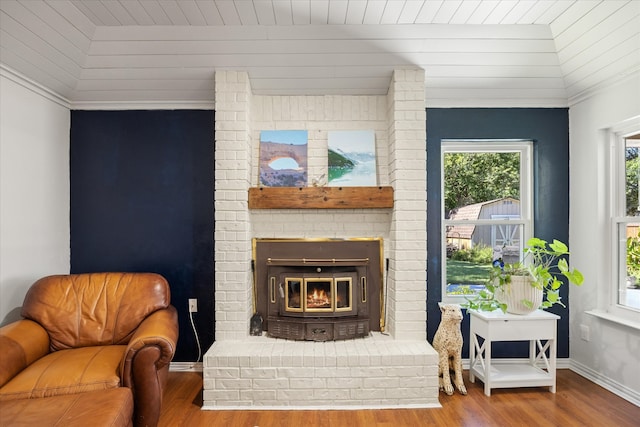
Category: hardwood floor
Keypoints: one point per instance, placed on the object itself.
(578, 402)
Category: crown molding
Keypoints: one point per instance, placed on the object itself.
(142, 105)
(496, 103)
(33, 86)
(600, 87)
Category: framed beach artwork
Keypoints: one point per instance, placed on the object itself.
(352, 158)
(283, 158)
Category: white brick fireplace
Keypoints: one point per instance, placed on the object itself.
(394, 368)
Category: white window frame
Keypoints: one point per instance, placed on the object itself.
(525, 148)
(617, 182)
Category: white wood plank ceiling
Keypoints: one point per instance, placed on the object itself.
(474, 52)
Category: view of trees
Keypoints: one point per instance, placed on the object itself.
(632, 177)
(478, 177)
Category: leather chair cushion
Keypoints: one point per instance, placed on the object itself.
(67, 372)
(80, 310)
(112, 408)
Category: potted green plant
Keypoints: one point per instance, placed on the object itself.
(533, 283)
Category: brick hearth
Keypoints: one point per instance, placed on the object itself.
(268, 373)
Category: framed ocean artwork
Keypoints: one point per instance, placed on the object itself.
(352, 158)
(283, 158)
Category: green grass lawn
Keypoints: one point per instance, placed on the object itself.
(464, 272)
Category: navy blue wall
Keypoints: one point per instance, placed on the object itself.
(142, 199)
(142, 187)
(548, 128)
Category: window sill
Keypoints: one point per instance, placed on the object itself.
(614, 318)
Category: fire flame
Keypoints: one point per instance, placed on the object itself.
(318, 298)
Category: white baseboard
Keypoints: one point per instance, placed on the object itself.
(197, 366)
(607, 383)
(593, 376)
(185, 367)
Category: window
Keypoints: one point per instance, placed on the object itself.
(486, 209)
(626, 221)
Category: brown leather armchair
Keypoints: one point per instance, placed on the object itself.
(93, 331)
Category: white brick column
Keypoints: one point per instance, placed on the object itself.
(233, 286)
(406, 310)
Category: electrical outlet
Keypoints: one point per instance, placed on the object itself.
(193, 305)
(585, 333)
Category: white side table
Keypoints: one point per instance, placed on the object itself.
(538, 370)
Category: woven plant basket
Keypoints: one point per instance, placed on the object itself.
(518, 290)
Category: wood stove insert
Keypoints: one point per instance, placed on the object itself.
(320, 289)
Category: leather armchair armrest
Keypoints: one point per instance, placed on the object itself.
(22, 343)
(146, 361)
(160, 330)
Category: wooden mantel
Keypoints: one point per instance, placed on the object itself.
(320, 197)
